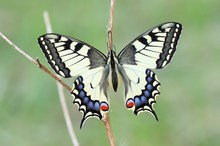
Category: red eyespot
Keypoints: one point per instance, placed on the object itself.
(130, 103)
(104, 106)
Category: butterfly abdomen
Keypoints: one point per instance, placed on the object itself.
(113, 69)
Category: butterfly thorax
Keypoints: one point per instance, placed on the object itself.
(113, 64)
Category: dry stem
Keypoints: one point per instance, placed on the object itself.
(110, 44)
(61, 94)
(36, 62)
(110, 25)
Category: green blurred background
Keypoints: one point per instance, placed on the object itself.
(188, 107)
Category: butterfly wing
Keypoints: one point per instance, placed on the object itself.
(70, 57)
(90, 94)
(141, 88)
(152, 49)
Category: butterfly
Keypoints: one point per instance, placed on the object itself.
(70, 57)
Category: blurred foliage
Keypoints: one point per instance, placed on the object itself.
(188, 107)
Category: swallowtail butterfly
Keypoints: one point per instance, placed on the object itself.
(153, 49)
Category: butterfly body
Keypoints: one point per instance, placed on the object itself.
(153, 49)
(115, 66)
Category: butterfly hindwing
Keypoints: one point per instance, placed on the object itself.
(141, 88)
(152, 49)
(90, 94)
(70, 57)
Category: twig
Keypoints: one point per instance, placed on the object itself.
(18, 49)
(36, 62)
(41, 66)
(110, 25)
(47, 22)
(61, 93)
(109, 31)
(67, 115)
(109, 130)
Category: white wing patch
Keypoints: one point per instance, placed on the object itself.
(142, 60)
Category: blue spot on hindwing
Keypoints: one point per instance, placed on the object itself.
(97, 106)
(80, 79)
(147, 93)
(137, 101)
(82, 94)
(85, 100)
(80, 87)
(143, 99)
(149, 87)
(90, 105)
(148, 72)
(149, 79)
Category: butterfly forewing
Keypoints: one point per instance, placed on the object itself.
(71, 57)
(152, 49)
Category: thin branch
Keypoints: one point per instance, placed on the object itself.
(47, 22)
(110, 25)
(61, 93)
(18, 49)
(108, 130)
(36, 62)
(41, 66)
(67, 115)
(110, 44)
